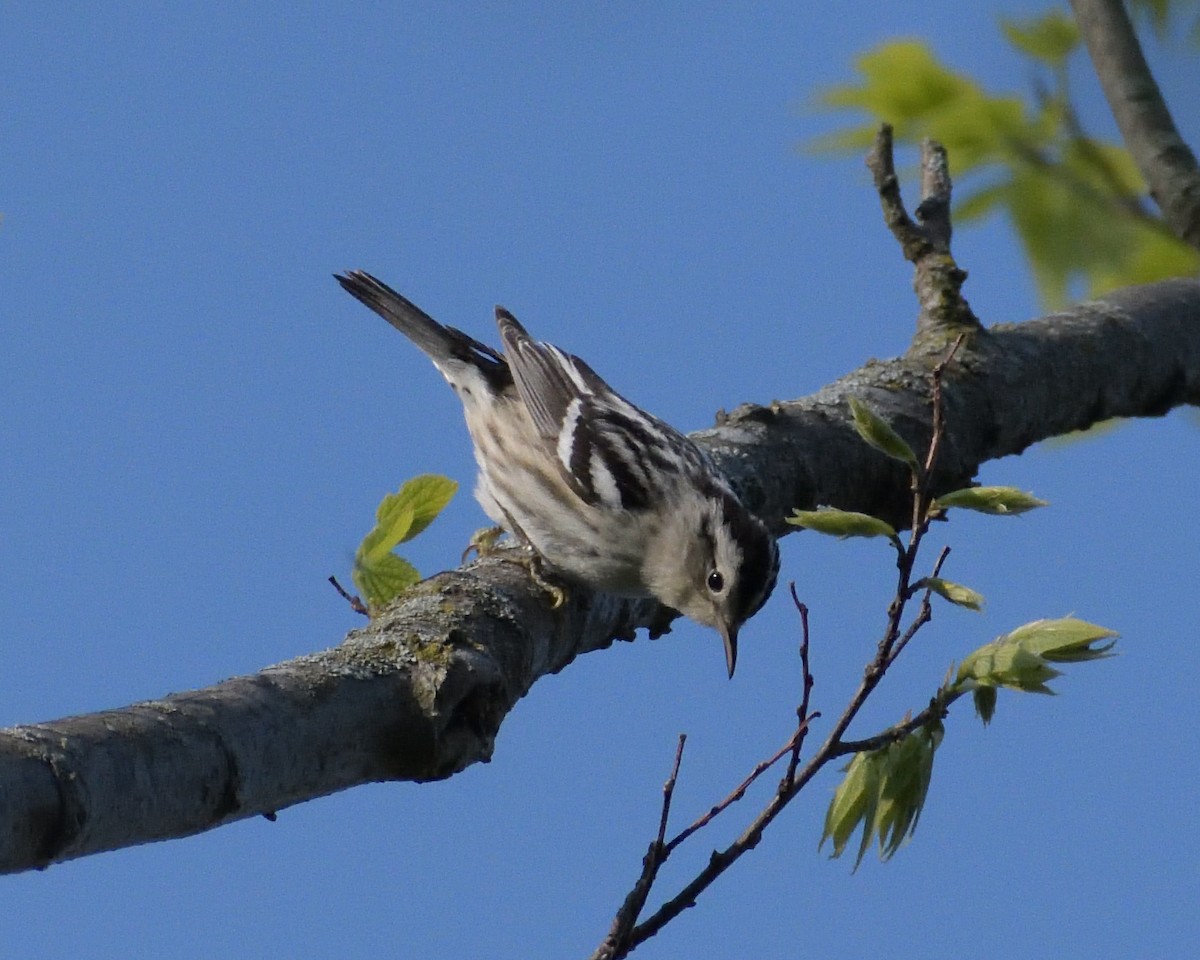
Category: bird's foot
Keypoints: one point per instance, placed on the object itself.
(543, 579)
(483, 542)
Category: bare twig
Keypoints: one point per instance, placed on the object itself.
(1137, 104)
(924, 612)
(616, 944)
(923, 479)
(739, 791)
(803, 717)
(937, 710)
(795, 743)
(356, 603)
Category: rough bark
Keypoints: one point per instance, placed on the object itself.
(420, 693)
(1164, 159)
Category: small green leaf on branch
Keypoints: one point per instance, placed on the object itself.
(1065, 640)
(985, 703)
(383, 579)
(904, 787)
(956, 593)
(994, 500)
(426, 496)
(854, 804)
(378, 573)
(883, 793)
(879, 433)
(1021, 659)
(842, 523)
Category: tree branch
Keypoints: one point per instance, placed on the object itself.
(938, 279)
(421, 691)
(613, 945)
(1164, 159)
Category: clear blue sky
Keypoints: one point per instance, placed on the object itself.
(198, 424)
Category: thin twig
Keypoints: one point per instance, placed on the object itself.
(924, 612)
(803, 722)
(739, 791)
(936, 710)
(803, 717)
(356, 603)
(939, 407)
(669, 790)
(616, 943)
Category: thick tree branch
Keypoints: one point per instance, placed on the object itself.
(420, 693)
(1164, 159)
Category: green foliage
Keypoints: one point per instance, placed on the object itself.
(956, 593)
(994, 500)
(883, 792)
(884, 788)
(1051, 38)
(842, 523)
(379, 574)
(1076, 202)
(1021, 660)
(879, 433)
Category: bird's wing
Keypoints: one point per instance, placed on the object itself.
(608, 451)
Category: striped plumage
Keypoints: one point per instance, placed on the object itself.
(605, 493)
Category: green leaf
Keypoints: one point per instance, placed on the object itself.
(383, 579)
(994, 500)
(979, 203)
(883, 793)
(1050, 38)
(378, 573)
(1099, 429)
(985, 703)
(1006, 664)
(1150, 255)
(1077, 203)
(904, 84)
(394, 524)
(956, 593)
(1065, 640)
(1021, 659)
(904, 787)
(424, 497)
(853, 805)
(842, 523)
(879, 434)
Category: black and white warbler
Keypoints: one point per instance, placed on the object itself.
(603, 492)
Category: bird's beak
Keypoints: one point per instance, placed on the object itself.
(729, 636)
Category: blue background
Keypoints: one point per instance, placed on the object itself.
(198, 425)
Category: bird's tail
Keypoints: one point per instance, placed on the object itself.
(443, 344)
(400, 312)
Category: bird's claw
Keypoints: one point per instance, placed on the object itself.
(558, 595)
(483, 542)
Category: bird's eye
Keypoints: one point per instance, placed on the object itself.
(716, 582)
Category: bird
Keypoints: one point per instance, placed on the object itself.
(603, 493)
